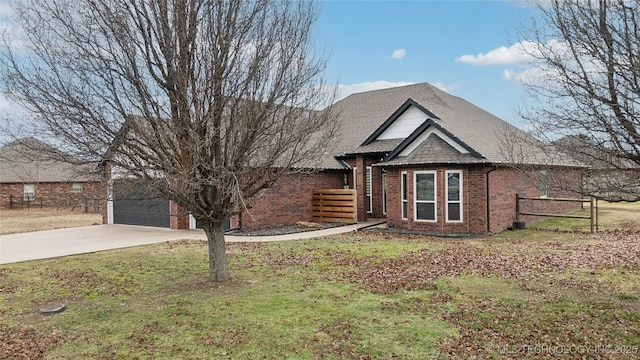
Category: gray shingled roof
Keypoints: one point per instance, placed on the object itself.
(25, 161)
(434, 150)
(361, 114)
(377, 146)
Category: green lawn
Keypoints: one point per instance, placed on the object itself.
(358, 296)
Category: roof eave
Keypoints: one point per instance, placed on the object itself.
(442, 163)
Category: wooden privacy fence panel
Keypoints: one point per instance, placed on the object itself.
(334, 205)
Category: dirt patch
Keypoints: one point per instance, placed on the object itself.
(549, 324)
(525, 262)
(25, 343)
(28, 220)
(558, 332)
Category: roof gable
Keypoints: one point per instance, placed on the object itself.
(401, 123)
(364, 117)
(434, 150)
(422, 134)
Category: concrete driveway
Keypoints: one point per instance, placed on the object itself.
(63, 242)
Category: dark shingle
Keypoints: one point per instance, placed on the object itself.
(362, 114)
(434, 150)
(29, 160)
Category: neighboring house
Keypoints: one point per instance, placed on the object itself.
(420, 158)
(608, 177)
(30, 176)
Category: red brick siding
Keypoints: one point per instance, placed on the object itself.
(394, 197)
(289, 200)
(361, 163)
(504, 184)
(473, 202)
(52, 194)
(179, 219)
(376, 192)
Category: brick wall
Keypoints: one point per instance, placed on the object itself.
(179, 217)
(361, 163)
(289, 200)
(286, 203)
(504, 184)
(473, 202)
(53, 194)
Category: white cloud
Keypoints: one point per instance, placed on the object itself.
(9, 29)
(10, 109)
(528, 3)
(399, 54)
(516, 54)
(443, 87)
(5, 9)
(521, 60)
(4, 104)
(509, 74)
(522, 76)
(522, 53)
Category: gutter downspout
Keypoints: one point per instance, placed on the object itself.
(488, 197)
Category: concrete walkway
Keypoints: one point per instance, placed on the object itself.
(80, 240)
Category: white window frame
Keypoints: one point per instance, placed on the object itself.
(404, 205)
(76, 188)
(460, 192)
(435, 196)
(384, 192)
(544, 184)
(368, 184)
(29, 191)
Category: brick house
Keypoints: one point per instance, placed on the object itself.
(608, 177)
(423, 160)
(30, 177)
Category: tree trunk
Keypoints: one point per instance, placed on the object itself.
(218, 267)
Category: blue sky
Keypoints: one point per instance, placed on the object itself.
(464, 47)
(470, 49)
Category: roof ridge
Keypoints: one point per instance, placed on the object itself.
(393, 88)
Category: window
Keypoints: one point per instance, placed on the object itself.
(384, 192)
(543, 184)
(368, 190)
(454, 196)
(403, 185)
(425, 195)
(77, 188)
(29, 192)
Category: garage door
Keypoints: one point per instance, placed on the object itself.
(134, 204)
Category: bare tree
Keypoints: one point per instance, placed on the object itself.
(586, 89)
(208, 102)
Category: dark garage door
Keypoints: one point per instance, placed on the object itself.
(134, 204)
